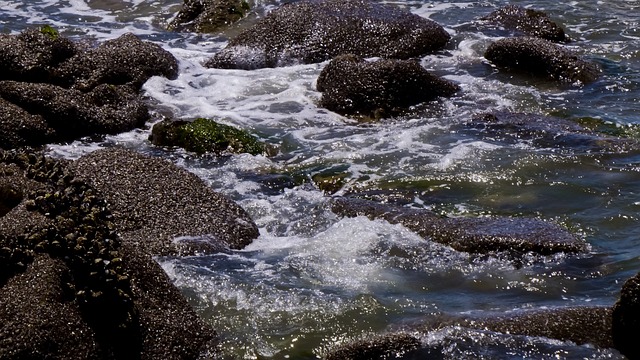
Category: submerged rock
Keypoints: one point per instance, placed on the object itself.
(528, 22)
(547, 131)
(69, 288)
(164, 209)
(206, 136)
(52, 90)
(207, 16)
(313, 31)
(543, 58)
(351, 85)
(473, 235)
(391, 346)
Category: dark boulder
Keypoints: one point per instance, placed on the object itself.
(36, 113)
(126, 60)
(626, 318)
(32, 55)
(317, 30)
(52, 90)
(473, 235)
(549, 132)
(164, 209)
(207, 16)
(542, 58)
(351, 85)
(528, 22)
(69, 288)
(206, 136)
(390, 346)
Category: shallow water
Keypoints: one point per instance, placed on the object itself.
(312, 279)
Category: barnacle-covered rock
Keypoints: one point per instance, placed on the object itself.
(63, 270)
(351, 85)
(542, 58)
(528, 22)
(207, 16)
(313, 31)
(156, 204)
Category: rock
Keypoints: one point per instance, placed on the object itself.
(207, 16)
(35, 113)
(206, 136)
(313, 31)
(156, 204)
(626, 318)
(52, 90)
(351, 85)
(542, 58)
(527, 22)
(32, 55)
(389, 346)
(547, 131)
(123, 61)
(473, 235)
(69, 288)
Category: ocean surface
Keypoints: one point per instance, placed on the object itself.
(313, 279)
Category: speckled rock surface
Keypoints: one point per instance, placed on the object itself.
(391, 346)
(207, 16)
(474, 235)
(69, 288)
(541, 58)
(317, 30)
(52, 90)
(155, 202)
(351, 85)
(528, 22)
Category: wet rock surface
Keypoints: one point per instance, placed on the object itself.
(626, 318)
(206, 136)
(541, 58)
(527, 22)
(473, 235)
(206, 16)
(52, 90)
(144, 193)
(549, 132)
(390, 346)
(318, 30)
(69, 288)
(351, 85)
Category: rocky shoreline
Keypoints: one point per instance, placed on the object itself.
(78, 238)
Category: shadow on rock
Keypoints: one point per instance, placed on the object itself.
(541, 58)
(314, 31)
(473, 235)
(353, 86)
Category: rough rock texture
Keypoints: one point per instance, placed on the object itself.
(528, 22)
(125, 60)
(390, 346)
(318, 30)
(69, 289)
(52, 90)
(626, 319)
(207, 16)
(351, 85)
(33, 113)
(543, 58)
(474, 235)
(205, 136)
(154, 202)
(546, 131)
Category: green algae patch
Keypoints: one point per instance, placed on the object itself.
(50, 31)
(207, 136)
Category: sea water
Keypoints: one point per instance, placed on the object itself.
(313, 279)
